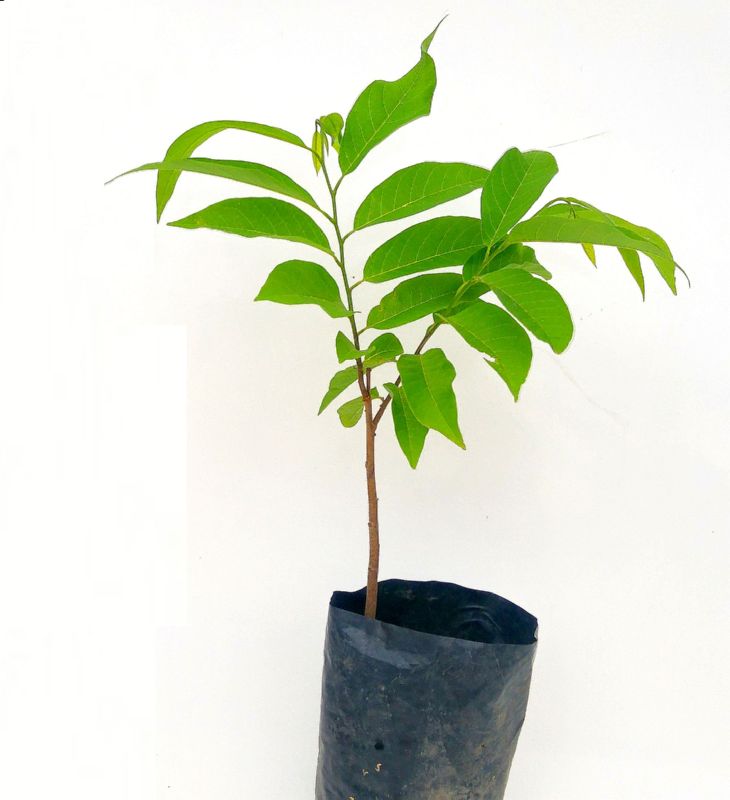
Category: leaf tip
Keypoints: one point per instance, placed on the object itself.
(427, 41)
(121, 175)
(190, 222)
(689, 282)
(561, 347)
(515, 392)
(458, 439)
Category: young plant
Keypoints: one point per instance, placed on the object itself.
(490, 257)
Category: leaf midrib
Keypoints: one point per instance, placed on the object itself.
(460, 186)
(511, 201)
(419, 305)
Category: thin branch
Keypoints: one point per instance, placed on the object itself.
(386, 400)
(432, 328)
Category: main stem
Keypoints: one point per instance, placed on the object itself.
(371, 597)
(363, 380)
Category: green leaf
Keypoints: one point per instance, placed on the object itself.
(435, 243)
(382, 349)
(385, 106)
(574, 207)
(241, 171)
(475, 264)
(590, 252)
(665, 265)
(560, 224)
(581, 208)
(258, 216)
(427, 384)
(345, 349)
(536, 304)
(418, 188)
(350, 412)
(303, 282)
(493, 331)
(515, 256)
(317, 150)
(340, 381)
(409, 432)
(186, 144)
(633, 265)
(513, 186)
(332, 125)
(523, 258)
(414, 299)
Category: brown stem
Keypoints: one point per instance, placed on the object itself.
(363, 380)
(371, 599)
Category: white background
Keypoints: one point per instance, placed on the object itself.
(173, 513)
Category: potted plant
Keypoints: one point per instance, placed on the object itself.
(425, 683)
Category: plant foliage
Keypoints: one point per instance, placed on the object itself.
(477, 274)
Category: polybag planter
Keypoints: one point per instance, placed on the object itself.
(427, 701)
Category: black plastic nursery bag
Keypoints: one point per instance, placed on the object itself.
(427, 701)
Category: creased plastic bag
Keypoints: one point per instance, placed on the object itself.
(427, 701)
